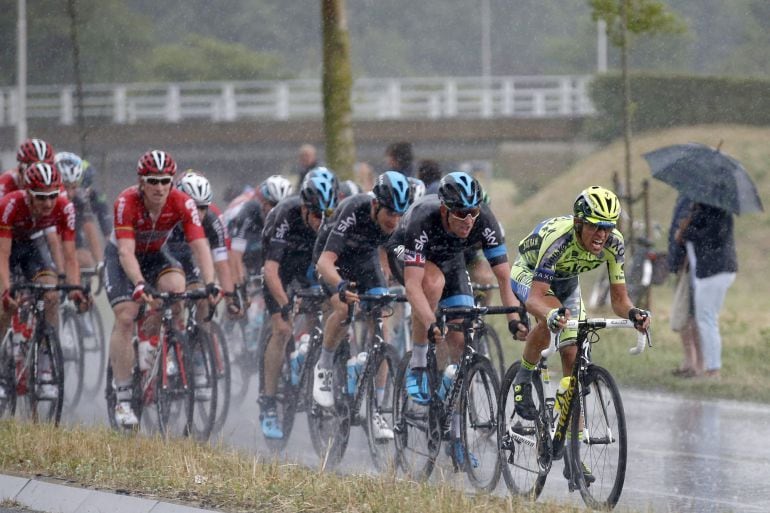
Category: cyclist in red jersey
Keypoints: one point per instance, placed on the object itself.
(135, 261)
(30, 152)
(24, 217)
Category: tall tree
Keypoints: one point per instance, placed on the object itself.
(636, 17)
(337, 84)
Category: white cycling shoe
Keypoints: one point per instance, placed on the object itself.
(322, 386)
(380, 428)
(124, 415)
(47, 390)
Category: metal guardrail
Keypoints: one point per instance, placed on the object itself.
(404, 98)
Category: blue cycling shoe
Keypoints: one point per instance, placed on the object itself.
(456, 446)
(417, 385)
(271, 426)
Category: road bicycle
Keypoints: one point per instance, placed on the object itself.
(585, 423)
(206, 366)
(31, 360)
(168, 385)
(223, 367)
(354, 385)
(94, 337)
(293, 383)
(420, 428)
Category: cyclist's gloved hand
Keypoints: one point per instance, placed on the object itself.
(518, 327)
(640, 318)
(139, 291)
(435, 334)
(233, 303)
(286, 311)
(213, 291)
(556, 319)
(80, 298)
(342, 288)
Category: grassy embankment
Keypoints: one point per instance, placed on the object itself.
(745, 320)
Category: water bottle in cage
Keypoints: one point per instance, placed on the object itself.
(355, 365)
(447, 380)
(297, 357)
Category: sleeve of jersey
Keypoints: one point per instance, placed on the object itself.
(415, 240)
(6, 218)
(125, 217)
(345, 223)
(617, 250)
(550, 252)
(191, 221)
(277, 238)
(217, 235)
(493, 241)
(66, 222)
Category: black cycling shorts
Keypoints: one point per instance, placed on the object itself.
(119, 288)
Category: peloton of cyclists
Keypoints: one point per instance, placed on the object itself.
(434, 234)
(288, 239)
(135, 261)
(349, 252)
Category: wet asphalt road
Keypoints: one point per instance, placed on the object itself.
(684, 455)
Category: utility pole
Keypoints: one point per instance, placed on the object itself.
(21, 72)
(601, 46)
(486, 40)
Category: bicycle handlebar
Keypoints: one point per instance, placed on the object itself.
(475, 311)
(383, 299)
(171, 297)
(45, 287)
(642, 339)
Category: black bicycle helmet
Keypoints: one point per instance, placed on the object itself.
(319, 190)
(459, 190)
(393, 191)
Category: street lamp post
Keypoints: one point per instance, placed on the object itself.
(21, 72)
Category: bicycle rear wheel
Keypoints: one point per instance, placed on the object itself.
(222, 361)
(524, 444)
(7, 377)
(286, 400)
(202, 375)
(174, 397)
(46, 407)
(599, 439)
(382, 450)
(417, 428)
(73, 352)
(243, 361)
(95, 349)
(478, 409)
(489, 345)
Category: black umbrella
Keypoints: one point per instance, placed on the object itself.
(706, 175)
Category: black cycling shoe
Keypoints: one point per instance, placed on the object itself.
(522, 397)
(588, 477)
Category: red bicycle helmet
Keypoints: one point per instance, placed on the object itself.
(156, 162)
(34, 150)
(41, 176)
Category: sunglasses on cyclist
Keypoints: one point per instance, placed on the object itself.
(463, 214)
(44, 195)
(154, 180)
(602, 225)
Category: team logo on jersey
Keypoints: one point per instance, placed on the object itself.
(120, 210)
(420, 242)
(413, 258)
(490, 236)
(8, 210)
(346, 223)
(193, 209)
(69, 211)
(283, 228)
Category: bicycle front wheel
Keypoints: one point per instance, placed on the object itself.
(174, 391)
(489, 345)
(222, 361)
(524, 447)
(478, 408)
(7, 377)
(45, 393)
(73, 352)
(379, 406)
(598, 443)
(203, 376)
(95, 345)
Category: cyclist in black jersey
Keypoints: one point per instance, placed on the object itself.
(434, 234)
(88, 242)
(349, 261)
(546, 277)
(247, 225)
(287, 241)
(197, 186)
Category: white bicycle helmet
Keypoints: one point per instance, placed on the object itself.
(275, 188)
(70, 167)
(197, 187)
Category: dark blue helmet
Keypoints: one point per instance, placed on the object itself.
(319, 190)
(459, 190)
(392, 190)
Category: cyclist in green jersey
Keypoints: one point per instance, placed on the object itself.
(546, 278)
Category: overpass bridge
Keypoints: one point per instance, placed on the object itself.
(239, 130)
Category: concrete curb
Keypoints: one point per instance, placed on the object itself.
(50, 497)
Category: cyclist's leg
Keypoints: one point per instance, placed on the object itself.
(417, 377)
(334, 331)
(274, 354)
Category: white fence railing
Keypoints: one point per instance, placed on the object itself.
(404, 98)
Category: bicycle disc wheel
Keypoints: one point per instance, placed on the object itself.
(599, 440)
(95, 350)
(174, 397)
(46, 407)
(73, 352)
(478, 409)
(202, 375)
(382, 450)
(330, 427)
(417, 429)
(222, 362)
(524, 447)
(489, 345)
